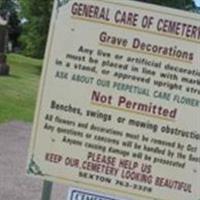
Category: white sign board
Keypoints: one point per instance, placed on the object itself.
(119, 103)
(78, 194)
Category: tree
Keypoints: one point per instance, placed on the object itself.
(37, 16)
(9, 11)
(179, 4)
(7, 6)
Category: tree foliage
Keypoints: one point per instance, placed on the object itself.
(37, 16)
(179, 4)
(9, 11)
(7, 6)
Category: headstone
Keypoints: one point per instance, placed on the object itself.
(4, 68)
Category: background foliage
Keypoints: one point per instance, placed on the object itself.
(9, 9)
(29, 21)
(179, 4)
(37, 14)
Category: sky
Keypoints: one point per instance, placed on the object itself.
(197, 2)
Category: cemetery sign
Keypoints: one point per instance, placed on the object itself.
(118, 108)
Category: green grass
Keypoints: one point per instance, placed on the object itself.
(19, 90)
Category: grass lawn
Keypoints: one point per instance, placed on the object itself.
(19, 90)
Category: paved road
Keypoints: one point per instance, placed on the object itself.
(14, 184)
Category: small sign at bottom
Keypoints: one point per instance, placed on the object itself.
(77, 194)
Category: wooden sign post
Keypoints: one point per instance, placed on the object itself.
(47, 190)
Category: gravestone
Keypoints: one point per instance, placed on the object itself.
(4, 68)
